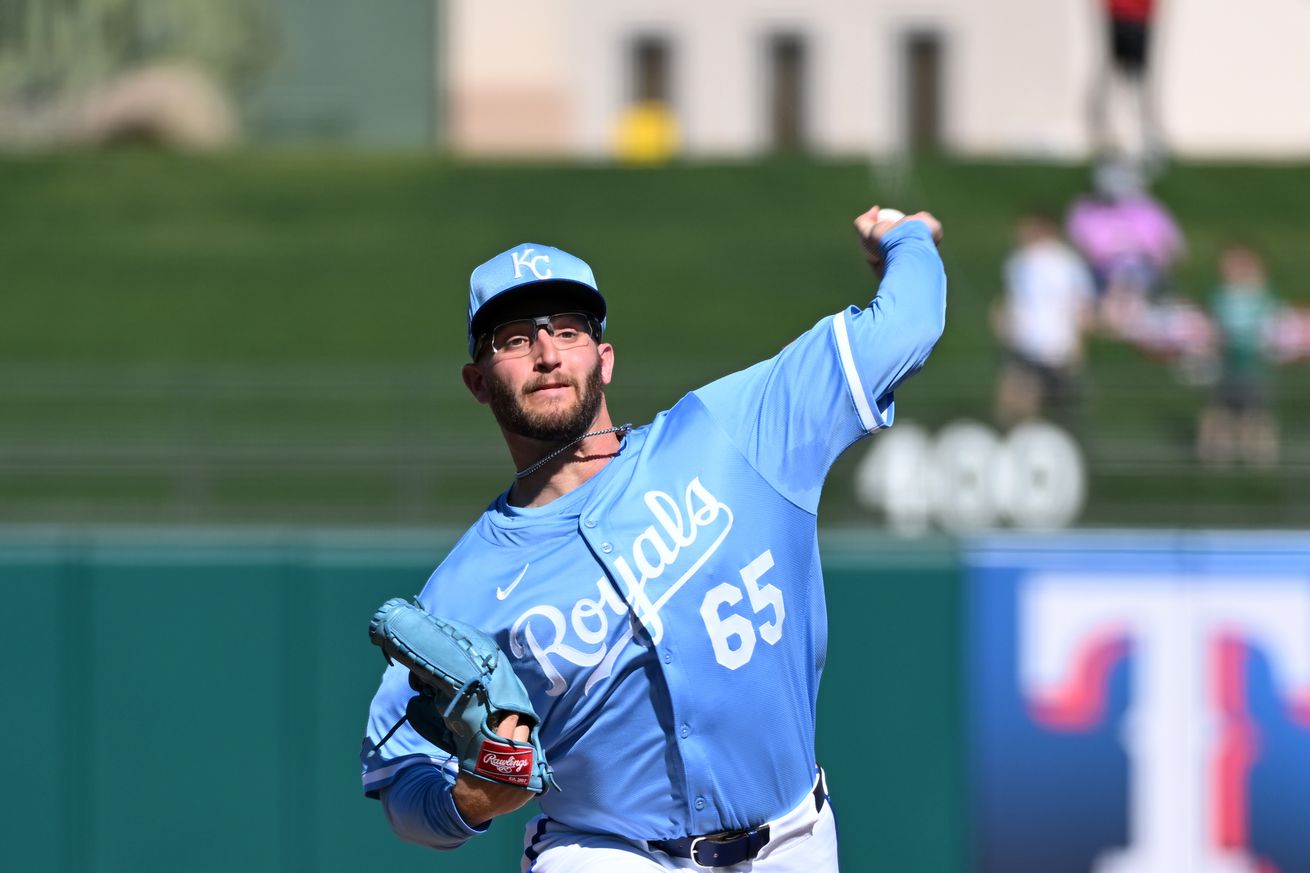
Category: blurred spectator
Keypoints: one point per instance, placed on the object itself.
(1128, 28)
(1041, 320)
(1130, 240)
(1238, 423)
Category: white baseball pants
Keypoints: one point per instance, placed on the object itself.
(801, 841)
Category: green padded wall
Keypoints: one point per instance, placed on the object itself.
(194, 701)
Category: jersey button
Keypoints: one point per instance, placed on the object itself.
(668, 659)
(591, 522)
(700, 803)
(606, 548)
(685, 732)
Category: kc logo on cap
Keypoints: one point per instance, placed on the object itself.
(525, 269)
(523, 259)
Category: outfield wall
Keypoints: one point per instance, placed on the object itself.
(194, 700)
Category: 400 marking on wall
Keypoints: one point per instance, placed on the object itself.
(968, 477)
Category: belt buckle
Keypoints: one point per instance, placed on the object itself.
(695, 859)
(727, 839)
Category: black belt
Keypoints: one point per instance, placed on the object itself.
(727, 847)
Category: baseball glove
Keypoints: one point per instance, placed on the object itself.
(462, 679)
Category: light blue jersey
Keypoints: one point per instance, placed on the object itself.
(667, 617)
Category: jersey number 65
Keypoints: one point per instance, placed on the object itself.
(733, 635)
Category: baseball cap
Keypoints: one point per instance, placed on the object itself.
(530, 268)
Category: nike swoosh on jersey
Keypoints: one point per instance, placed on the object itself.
(502, 593)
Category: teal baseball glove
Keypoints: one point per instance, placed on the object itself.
(464, 683)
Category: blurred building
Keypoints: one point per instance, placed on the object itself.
(739, 78)
(592, 78)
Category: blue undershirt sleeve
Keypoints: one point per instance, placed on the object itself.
(421, 809)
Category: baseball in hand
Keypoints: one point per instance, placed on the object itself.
(888, 214)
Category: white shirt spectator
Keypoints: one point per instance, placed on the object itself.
(1048, 289)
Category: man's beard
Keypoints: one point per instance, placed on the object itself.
(557, 425)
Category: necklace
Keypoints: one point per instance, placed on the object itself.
(528, 471)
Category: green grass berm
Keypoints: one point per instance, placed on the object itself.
(276, 337)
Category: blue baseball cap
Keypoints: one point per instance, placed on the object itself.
(529, 268)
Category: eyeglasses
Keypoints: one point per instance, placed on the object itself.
(514, 339)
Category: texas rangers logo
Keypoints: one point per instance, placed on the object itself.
(526, 260)
(1168, 715)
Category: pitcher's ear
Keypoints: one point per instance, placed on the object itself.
(476, 382)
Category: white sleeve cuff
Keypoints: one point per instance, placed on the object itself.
(871, 417)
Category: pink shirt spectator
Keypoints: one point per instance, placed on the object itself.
(1129, 233)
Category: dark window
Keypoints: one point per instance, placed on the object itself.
(787, 92)
(923, 90)
(650, 69)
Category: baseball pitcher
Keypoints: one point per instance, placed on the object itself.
(633, 633)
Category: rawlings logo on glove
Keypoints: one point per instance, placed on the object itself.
(505, 763)
(464, 683)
